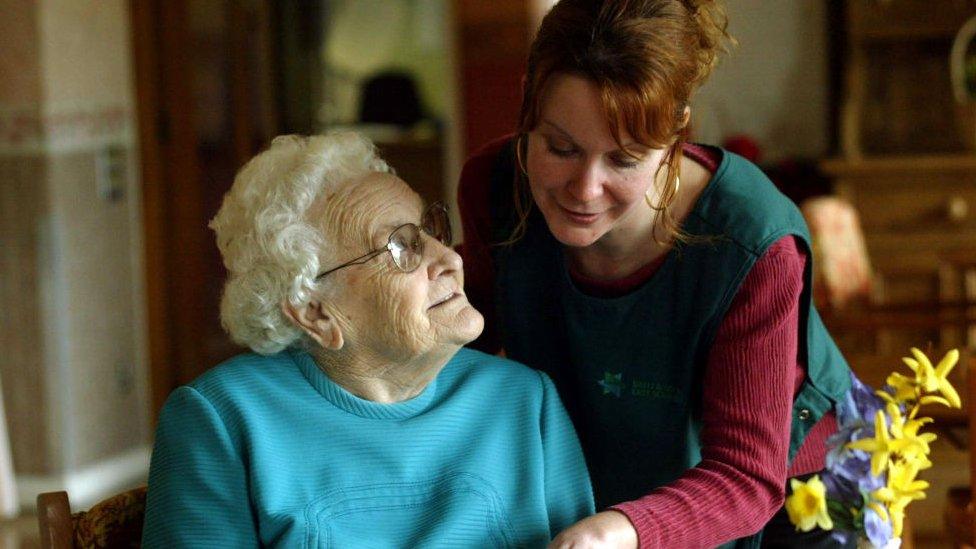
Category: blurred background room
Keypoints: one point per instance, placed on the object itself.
(122, 123)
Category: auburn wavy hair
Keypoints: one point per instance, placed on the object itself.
(647, 57)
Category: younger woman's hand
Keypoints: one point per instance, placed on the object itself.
(606, 529)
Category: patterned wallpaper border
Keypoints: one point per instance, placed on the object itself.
(30, 130)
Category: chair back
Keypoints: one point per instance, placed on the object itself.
(54, 520)
(114, 522)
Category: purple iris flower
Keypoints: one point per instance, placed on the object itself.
(869, 483)
(878, 530)
(841, 489)
(859, 406)
(855, 417)
(841, 536)
(848, 476)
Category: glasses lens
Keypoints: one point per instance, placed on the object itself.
(437, 224)
(407, 247)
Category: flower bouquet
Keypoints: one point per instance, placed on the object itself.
(875, 457)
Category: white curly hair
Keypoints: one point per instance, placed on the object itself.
(270, 249)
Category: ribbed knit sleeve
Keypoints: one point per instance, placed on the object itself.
(567, 498)
(197, 484)
(747, 402)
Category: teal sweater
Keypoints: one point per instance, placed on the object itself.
(269, 451)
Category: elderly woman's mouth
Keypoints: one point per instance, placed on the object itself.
(446, 299)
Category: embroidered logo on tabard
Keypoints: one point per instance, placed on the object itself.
(612, 384)
(654, 390)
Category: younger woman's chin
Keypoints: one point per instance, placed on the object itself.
(572, 234)
(574, 237)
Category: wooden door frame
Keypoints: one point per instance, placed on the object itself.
(168, 170)
(176, 241)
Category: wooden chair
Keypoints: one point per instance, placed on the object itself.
(115, 522)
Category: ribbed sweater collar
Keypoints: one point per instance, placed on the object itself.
(353, 404)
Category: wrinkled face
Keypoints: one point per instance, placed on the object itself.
(586, 186)
(382, 310)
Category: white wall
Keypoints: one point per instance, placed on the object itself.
(76, 385)
(774, 85)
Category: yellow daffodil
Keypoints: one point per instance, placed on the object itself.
(917, 459)
(807, 504)
(907, 431)
(905, 388)
(882, 446)
(896, 511)
(902, 483)
(932, 399)
(902, 489)
(933, 379)
(898, 447)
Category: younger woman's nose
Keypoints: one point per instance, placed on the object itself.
(587, 184)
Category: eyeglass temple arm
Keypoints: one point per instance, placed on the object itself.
(357, 261)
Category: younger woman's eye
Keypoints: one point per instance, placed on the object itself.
(624, 161)
(564, 152)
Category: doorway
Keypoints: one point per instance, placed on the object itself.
(204, 82)
(218, 79)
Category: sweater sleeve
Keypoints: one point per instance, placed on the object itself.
(748, 396)
(198, 493)
(569, 496)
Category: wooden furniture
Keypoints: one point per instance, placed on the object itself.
(923, 291)
(204, 78)
(907, 162)
(898, 94)
(908, 165)
(54, 520)
(115, 522)
(960, 514)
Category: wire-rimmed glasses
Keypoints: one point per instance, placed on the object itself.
(406, 244)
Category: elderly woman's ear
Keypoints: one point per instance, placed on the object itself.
(316, 321)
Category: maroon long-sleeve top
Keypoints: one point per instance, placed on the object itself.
(751, 378)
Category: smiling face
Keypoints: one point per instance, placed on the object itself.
(382, 310)
(587, 188)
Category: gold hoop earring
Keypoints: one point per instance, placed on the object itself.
(518, 155)
(647, 196)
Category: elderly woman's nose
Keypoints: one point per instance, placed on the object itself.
(444, 260)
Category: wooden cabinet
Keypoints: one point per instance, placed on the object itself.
(919, 219)
(907, 19)
(898, 93)
(908, 165)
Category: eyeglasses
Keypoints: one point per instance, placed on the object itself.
(406, 244)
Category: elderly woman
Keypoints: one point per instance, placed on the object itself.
(360, 421)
